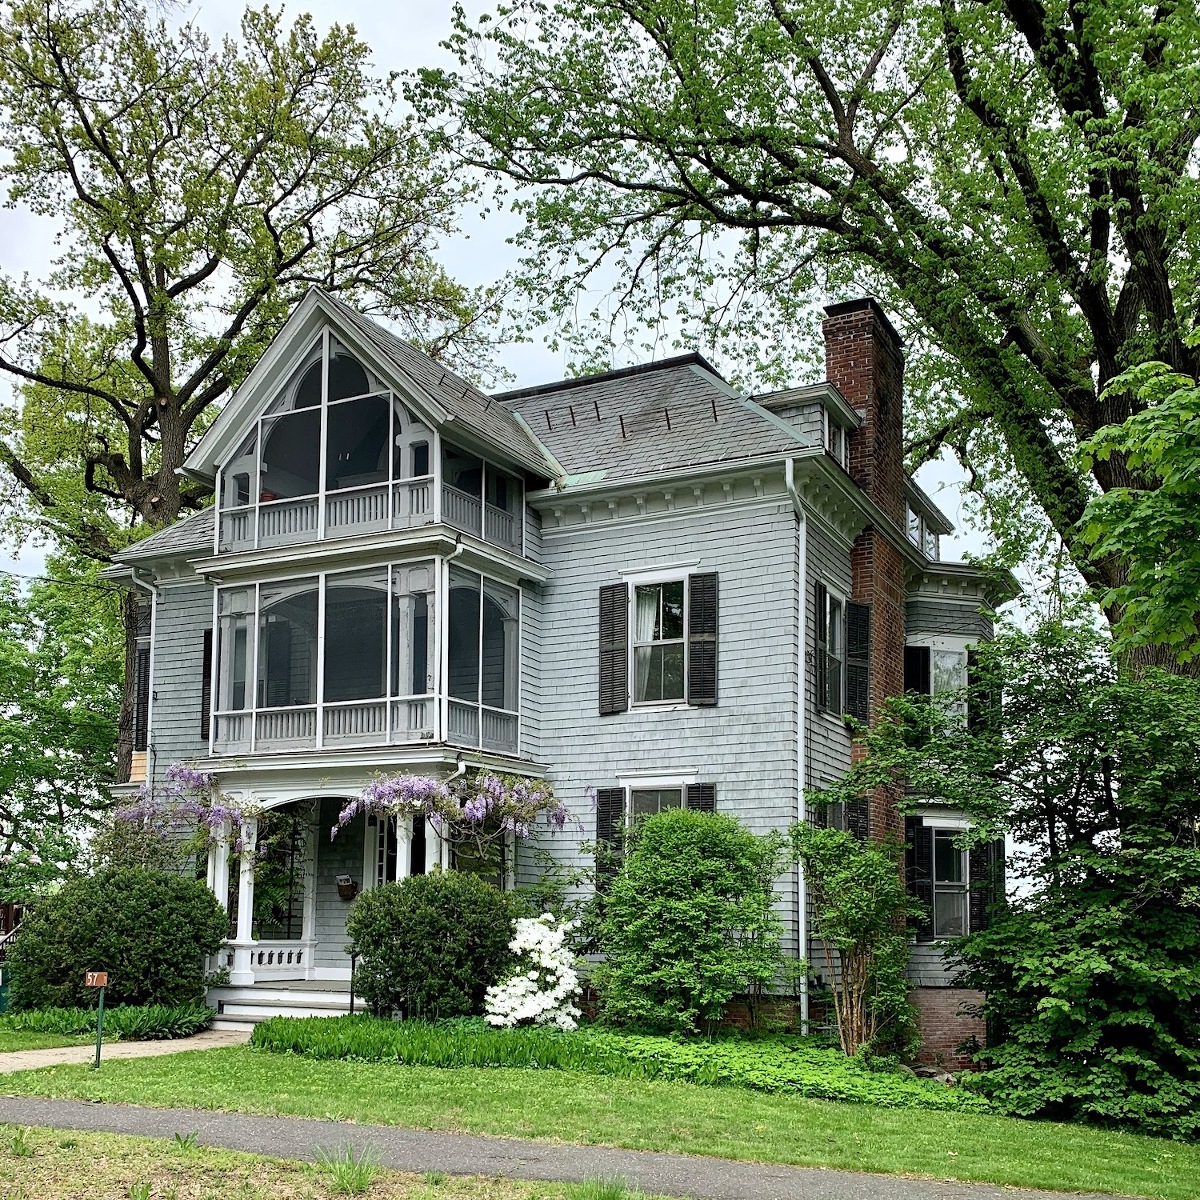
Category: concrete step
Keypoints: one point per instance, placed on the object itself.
(244, 1007)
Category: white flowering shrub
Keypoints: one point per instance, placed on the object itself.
(543, 990)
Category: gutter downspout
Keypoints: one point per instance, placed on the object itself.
(151, 757)
(789, 469)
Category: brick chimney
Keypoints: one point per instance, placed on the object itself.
(863, 361)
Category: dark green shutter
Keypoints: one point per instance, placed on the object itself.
(610, 818)
(702, 797)
(141, 699)
(614, 648)
(206, 687)
(858, 658)
(987, 882)
(821, 657)
(918, 871)
(702, 640)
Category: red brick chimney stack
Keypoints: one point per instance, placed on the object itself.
(863, 361)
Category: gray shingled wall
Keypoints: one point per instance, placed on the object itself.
(952, 617)
(342, 856)
(184, 612)
(746, 745)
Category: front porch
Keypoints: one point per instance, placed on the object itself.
(289, 891)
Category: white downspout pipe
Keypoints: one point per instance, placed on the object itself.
(801, 719)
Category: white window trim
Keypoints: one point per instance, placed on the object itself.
(947, 888)
(677, 781)
(827, 425)
(676, 574)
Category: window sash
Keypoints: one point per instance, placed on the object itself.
(657, 659)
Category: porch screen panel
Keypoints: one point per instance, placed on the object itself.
(500, 666)
(358, 443)
(287, 644)
(463, 634)
(413, 629)
(235, 614)
(291, 455)
(356, 605)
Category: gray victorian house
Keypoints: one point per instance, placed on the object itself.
(644, 586)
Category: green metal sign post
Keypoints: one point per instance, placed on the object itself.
(97, 979)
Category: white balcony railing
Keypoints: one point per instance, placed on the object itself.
(359, 510)
(462, 510)
(283, 522)
(412, 502)
(501, 527)
(477, 725)
(357, 723)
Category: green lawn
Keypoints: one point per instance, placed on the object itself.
(24, 1039)
(642, 1115)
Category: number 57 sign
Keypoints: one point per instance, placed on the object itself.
(97, 979)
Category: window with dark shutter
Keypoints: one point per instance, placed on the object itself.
(614, 648)
(141, 699)
(916, 670)
(858, 656)
(206, 686)
(610, 818)
(702, 797)
(821, 649)
(983, 704)
(987, 882)
(918, 871)
(702, 640)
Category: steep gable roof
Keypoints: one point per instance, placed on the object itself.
(442, 396)
(658, 417)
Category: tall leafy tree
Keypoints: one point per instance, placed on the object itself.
(1016, 179)
(198, 190)
(61, 678)
(1091, 973)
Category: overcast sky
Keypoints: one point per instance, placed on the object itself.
(405, 35)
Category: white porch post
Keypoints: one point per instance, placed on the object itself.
(243, 945)
(308, 929)
(218, 867)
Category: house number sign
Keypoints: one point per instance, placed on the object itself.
(97, 979)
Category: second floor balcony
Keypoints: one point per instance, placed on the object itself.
(403, 653)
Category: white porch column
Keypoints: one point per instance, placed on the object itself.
(243, 944)
(308, 928)
(218, 867)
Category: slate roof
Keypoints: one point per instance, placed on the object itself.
(193, 534)
(465, 402)
(672, 414)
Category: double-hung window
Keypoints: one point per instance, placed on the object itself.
(951, 882)
(830, 650)
(659, 646)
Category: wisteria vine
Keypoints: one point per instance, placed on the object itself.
(476, 810)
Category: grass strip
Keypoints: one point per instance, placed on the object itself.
(779, 1065)
(56, 1164)
(642, 1115)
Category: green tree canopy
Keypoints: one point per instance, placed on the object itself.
(1015, 180)
(199, 189)
(61, 670)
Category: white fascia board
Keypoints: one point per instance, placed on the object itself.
(244, 406)
(825, 394)
(308, 558)
(921, 502)
(594, 483)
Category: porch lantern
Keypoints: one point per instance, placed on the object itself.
(347, 888)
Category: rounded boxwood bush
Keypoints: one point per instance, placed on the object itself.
(150, 930)
(430, 945)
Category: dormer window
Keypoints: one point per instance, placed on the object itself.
(837, 441)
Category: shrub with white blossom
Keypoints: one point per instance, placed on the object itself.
(544, 988)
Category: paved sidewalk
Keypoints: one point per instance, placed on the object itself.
(29, 1060)
(470, 1154)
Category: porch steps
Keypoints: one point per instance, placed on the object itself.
(245, 1007)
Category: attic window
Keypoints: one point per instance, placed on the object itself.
(837, 444)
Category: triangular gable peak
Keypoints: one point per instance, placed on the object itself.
(375, 360)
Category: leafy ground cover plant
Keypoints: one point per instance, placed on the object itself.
(150, 930)
(431, 945)
(774, 1064)
(689, 922)
(127, 1022)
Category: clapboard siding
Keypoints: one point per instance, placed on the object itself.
(183, 613)
(954, 618)
(746, 744)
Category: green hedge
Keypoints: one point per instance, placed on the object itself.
(124, 1022)
(150, 930)
(779, 1065)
